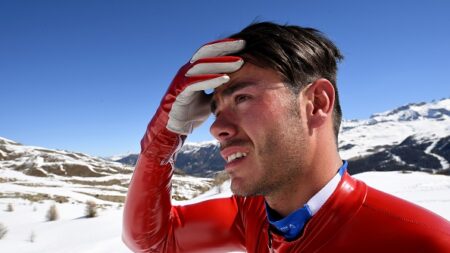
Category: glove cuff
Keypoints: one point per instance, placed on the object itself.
(159, 143)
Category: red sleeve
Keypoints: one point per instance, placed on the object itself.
(152, 224)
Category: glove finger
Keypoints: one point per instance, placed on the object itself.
(205, 82)
(197, 84)
(219, 48)
(216, 65)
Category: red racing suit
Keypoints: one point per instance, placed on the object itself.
(356, 217)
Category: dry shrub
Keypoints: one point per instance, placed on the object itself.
(52, 213)
(91, 209)
(32, 237)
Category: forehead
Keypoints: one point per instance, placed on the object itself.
(248, 75)
(250, 78)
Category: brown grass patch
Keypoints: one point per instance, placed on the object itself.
(7, 180)
(110, 198)
(36, 197)
(96, 183)
(34, 172)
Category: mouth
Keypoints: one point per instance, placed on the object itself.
(235, 156)
(234, 153)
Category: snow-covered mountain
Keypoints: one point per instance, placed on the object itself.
(38, 174)
(411, 137)
(424, 120)
(200, 159)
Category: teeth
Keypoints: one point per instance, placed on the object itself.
(235, 156)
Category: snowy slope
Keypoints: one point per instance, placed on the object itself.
(74, 234)
(33, 178)
(37, 173)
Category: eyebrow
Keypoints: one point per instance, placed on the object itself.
(230, 90)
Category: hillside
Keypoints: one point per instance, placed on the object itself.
(413, 137)
(74, 233)
(38, 174)
(410, 138)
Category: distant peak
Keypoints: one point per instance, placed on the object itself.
(202, 143)
(413, 111)
(7, 141)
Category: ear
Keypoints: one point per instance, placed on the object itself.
(320, 102)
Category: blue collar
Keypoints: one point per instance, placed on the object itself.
(292, 225)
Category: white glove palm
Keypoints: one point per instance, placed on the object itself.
(206, 70)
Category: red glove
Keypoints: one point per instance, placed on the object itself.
(185, 104)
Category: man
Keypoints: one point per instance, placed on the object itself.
(277, 120)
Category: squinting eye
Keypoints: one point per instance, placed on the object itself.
(240, 98)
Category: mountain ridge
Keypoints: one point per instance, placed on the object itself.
(361, 141)
(33, 173)
(414, 137)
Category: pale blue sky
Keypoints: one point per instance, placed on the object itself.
(87, 75)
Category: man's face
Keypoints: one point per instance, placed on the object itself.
(259, 127)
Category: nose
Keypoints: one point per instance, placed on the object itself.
(223, 127)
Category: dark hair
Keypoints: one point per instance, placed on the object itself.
(300, 56)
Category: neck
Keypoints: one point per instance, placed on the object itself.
(314, 177)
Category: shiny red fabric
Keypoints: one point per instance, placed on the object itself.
(356, 218)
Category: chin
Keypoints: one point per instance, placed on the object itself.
(241, 191)
(238, 191)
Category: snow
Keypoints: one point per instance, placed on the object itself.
(74, 233)
(115, 158)
(416, 110)
(427, 190)
(70, 233)
(444, 163)
(192, 147)
(2, 139)
(200, 144)
(365, 135)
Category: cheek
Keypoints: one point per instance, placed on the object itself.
(260, 117)
(257, 116)
(261, 123)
